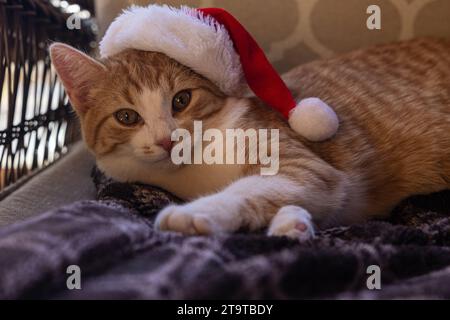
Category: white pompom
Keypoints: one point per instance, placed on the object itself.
(314, 119)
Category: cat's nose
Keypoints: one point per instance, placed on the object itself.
(166, 144)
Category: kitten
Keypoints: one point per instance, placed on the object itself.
(393, 102)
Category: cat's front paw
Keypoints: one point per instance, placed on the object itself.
(292, 222)
(186, 219)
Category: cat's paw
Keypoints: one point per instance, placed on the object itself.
(292, 222)
(186, 219)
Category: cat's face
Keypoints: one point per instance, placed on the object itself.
(131, 103)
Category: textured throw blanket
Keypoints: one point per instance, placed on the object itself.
(121, 256)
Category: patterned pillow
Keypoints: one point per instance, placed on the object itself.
(304, 30)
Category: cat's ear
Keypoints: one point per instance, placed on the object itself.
(76, 70)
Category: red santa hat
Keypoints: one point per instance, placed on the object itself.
(214, 44)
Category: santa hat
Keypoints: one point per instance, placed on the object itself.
(214, 44)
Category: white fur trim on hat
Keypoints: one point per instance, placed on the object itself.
(185, 35)
(314, 119)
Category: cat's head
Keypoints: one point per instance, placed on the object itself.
(130, 104)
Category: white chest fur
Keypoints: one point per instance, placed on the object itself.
(188, 182)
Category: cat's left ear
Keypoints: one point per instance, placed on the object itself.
(77, 71)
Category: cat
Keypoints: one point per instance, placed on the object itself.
(393, 103)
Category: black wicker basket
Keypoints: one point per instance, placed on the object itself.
(36, 120)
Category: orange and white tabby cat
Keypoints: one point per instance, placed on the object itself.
(393, 102)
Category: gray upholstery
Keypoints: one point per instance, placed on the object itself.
(66, 181)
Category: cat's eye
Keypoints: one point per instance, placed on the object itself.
(128, 117)
(181, 100)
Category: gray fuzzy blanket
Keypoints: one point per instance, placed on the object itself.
(121, 256)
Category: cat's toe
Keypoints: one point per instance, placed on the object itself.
(292, 222)
(163, 217)
(180, 219)
(202, 225)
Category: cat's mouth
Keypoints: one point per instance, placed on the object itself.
(164, 157)
(152, 156)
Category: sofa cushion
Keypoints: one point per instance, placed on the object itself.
(66, 181)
